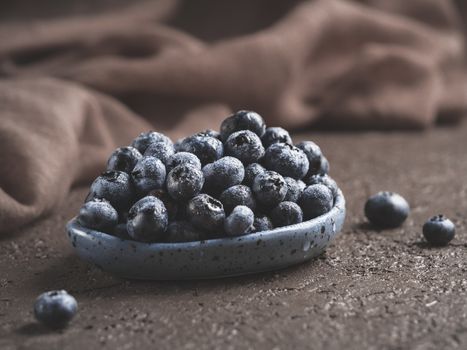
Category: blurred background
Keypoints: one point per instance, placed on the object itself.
(374, 64)
(84, 77)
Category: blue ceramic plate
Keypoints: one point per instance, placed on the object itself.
(223, 257)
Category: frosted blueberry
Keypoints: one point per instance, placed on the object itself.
(244, 145)
(242, 120)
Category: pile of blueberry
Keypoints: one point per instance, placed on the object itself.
(389, 210)
(245, 178)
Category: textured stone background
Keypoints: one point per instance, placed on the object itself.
(371, 290)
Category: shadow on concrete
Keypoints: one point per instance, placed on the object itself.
(87, 281)
(35, 329)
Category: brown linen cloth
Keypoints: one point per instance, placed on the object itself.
(65, 81)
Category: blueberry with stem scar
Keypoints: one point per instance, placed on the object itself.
(439, 230)
(123, 159)
(269, 188)
(55, 309)
(148, 220)
(184, 182)
(244, 145)
(114, 186)
(242, 120)
(206, 213)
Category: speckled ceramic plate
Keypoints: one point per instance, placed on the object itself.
(256, 252)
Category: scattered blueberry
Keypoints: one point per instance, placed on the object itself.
(184, 182)
(286, 213)
(244, 145)
(315, 201)
(124, 159)
(206, 213)
(242, 120)
(182, 231)
(275, 135)
(324, 180)
(262, 223)
(269, 188)
(114, 186)
(142, 142)
(237, 195)
(386, 209)
(182, 158)
(314, 155)
(148, 220)
(287, 160)
(161, 150)
(439, 230)
(98, 214)
(251, 170)
(239, 222)
(222, 174)
(208, 149)
(294, 189)
(148, 174)
(55, 309)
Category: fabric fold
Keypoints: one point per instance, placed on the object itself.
(74, 87)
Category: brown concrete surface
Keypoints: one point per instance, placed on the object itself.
(371, 290)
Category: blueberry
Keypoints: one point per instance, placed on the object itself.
(262, 223)
(55, 309)
(287, 160)
(170, 204)
(314, 155)
(183, 158)
(148, 220)
(206, 213)
(124, 159)
(239, 222)
(114, 186)
(324, 180)
(269, 188)
(182, 231)
(242, 120)
(275, 135)
(244, 145)
(251, 170)
(148, 174)
(210, 132)
(160, 150)
(324, 167)
(386, 209)
(294, 189)
(237, 195)
(316, 200)
(222, 174)
(142, 142)
(439, 230)
(184, 182)
(208, 149)
(286, 213)
(98, 214)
